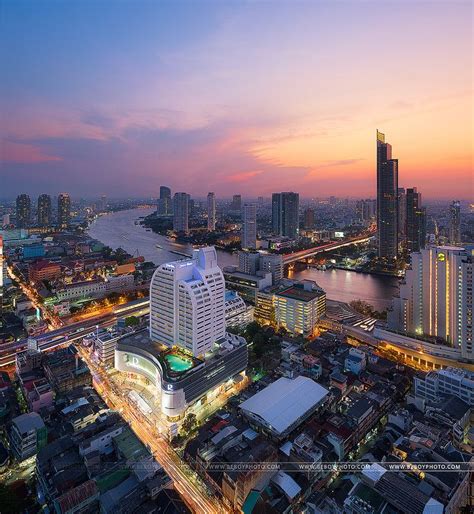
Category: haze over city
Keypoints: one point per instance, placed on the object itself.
(119, 98)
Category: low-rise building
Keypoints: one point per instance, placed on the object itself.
(28, 434)
(283, 405)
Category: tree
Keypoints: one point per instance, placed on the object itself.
(131, 321)
(189, 422)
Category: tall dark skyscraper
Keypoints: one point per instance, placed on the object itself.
(309, 219)
(402, 213)
(455, 222)
(164, 202)
(44, 211)
(285, 214)
(23, 211)
(181, 212)
(236, 204)
(387, 199)
(64, 210)
(415, 227)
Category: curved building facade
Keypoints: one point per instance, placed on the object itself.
(179, 388)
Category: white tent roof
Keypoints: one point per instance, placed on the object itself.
(284, 401)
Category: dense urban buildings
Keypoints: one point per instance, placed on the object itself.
(64, 210)
(387, 200)
(455, 223)
(23, 211)
(415, 219)
(436, 298)
(211, 212)
(44, 211)
(249, 226)
(285, 214)
(181, 212)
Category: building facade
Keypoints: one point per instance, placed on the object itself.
(436, 298)
(23, 211)
(181, 212)
(285, 214)
(44, 211)
(211, 212)
(387, 200)
(455, 223)
(415, 219)
(249, 226)
(164, 204)
(187, 303)
(64, 210)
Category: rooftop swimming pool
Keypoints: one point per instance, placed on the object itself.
(177, 363)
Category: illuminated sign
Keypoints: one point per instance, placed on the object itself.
(339, 235)
(441, 257)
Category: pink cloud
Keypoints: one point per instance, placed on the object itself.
(24, 153)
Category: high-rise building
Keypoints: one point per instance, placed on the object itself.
(366, 209)
(402, 213)
(436, 298)
(181, 212)
(387, 199)
(249, 226)
(44, 211)
(415, 221)
(285, 214)
(236, 204)
(309, 219)
(187, 303)
(455, 223)
(23, 211)
(211, 212)
(164, 206)
(64, 210)
(103, 203)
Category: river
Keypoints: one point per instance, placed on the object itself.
(118, 229)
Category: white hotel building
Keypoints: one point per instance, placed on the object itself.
(187, 303)
(436, 298)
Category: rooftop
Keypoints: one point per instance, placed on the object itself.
(301, 293)
(29, 421)
(284, 401)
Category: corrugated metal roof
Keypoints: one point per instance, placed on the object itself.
(284, 401)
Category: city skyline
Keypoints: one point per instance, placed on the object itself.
(233, 97)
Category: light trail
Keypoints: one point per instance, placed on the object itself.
(186, 482)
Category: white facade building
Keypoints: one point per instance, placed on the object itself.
(249, 226)
(211, 212)
(436, 298)
(237, 313)
(187, 303)
(449, 381)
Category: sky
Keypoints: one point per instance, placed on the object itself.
(118, 97)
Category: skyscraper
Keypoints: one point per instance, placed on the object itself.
(236, 204)
(181, 212)
(23, 211)
(387, 199)
(211, 212)
(402, 213)
(187, 303)
(164, 202)
(285, 214)
(436, 298)
(415, 231)
(249, 226)
(64, 210)
(455, 223)
(309, 220)
(44, 211)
